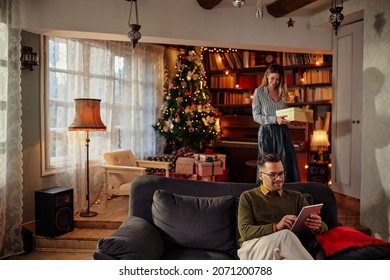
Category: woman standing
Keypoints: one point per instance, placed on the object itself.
(274, 136)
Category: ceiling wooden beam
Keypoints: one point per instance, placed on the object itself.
(208, 4)
(281, 8)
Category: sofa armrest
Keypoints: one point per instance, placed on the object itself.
(135, 239)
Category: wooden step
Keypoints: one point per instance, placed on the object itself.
(97, 224)
(87, 230)
(78, 239)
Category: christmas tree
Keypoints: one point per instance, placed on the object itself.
(187, 117)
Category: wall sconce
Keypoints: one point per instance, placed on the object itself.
(28, 58)
(134, 34)
(336, 16)
(238, 3)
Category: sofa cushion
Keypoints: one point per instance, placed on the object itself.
(207, 223)
(135, 239)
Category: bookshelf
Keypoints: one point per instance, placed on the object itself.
(232, 77)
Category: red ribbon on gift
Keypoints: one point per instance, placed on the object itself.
(209, 151)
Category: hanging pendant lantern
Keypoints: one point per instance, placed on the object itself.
(259, 11)
(134, 34)
(336, 16)
(238, 3)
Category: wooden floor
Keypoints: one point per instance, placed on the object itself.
(80, 243)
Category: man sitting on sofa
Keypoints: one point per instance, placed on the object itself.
(267, 213)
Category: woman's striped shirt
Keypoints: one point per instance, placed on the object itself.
(264, 107)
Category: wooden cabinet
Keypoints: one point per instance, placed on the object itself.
(232, 77)
(238, 127)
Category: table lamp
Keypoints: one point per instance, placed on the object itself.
(87, 118)
(320, 142)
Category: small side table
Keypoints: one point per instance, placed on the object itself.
(319, 172)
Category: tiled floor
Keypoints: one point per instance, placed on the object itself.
(348, 215)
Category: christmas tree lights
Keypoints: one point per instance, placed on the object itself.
(187, 117)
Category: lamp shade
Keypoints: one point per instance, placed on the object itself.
(87, 115)
(320, 138)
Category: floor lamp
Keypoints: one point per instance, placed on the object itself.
(87, 118)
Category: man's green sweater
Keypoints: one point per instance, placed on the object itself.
(257, 212)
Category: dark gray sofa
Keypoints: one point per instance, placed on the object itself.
(184, 219)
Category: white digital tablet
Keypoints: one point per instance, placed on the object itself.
(306, 211)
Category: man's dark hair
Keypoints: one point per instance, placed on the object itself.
(267, 157)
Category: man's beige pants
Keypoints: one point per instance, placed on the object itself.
(280, 245)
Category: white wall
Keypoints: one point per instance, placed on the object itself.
(174, 22)
(185, 22)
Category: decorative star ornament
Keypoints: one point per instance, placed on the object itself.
(290, 23)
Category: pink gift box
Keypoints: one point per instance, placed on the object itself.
(205, 168)
(185, 165)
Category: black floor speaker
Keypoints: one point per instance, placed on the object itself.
(54, 211)
(318, 172)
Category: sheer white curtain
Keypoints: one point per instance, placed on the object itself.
(128, 82)
(10, 131)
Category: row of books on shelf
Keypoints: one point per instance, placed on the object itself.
(231, 98)
(317, 76)
(224, 60)
(305, 58)
(228, 81)
(232, 81)
(311, 94)
(312, 76)
(233, 60)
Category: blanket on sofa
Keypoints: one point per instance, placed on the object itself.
(343, 237)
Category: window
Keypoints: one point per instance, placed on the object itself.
(127, 81)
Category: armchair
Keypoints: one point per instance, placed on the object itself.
(121, 167)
